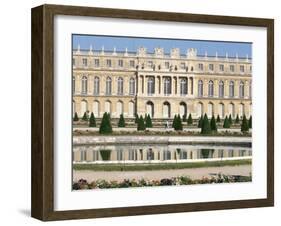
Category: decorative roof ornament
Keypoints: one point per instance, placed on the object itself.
(102, 50)
(216, 55)
(126, 52)
(237, 56)
(78, 48)
(91, 50)
(247, 58)
(114, 50)
(226, 55)
(191, 53)
(206, 54)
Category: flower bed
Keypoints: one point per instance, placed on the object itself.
(182, 180)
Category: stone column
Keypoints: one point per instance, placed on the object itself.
(90, 85)
(205, 88)
(216, 88)
(145, 85)
(78, 84)
(156, 85)
(113, 85)
(161, 86)
(246, 90)
(195, 86)
(178, 86)
(226, 89)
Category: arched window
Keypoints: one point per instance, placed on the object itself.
(200, 109)
(120, 86)
(241, 89)
(200, 88)
(166, 110)
(150, 109)
(131, 110)
(183, 86)
(211, 89)
(96, 86)
(231, 89)
(83, 108)
(221, 89)
(210, 109)
(108, 86)
(107, 106)
(119, 108)
(132, 86)
(96, 108)
(73, 84)
(167, 86)
(84, 85)
(221, 110)
(150, 86)
(231, 110)
(241, 110)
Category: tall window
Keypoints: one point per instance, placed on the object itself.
(97, 62)
(120, 63)
(200, 88)
(132, 86)
(211, 67)
(221, 67)
(73, 84)
(150, 86)
(84, 84)
(167, 86)
(120, 86)
(96, 85)
(200, 67)
(241, 89)
(182, 65)
(221, 89)
(150, 64)
(85, 62)
(242, 68)
(231, 68)
(132, 63)
(211, 88)
(108, 86)
(167, 65)
(231, 89)
(108, 63)
(183, 86)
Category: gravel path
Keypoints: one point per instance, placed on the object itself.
(194, 173)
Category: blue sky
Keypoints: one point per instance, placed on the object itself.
(132, 43)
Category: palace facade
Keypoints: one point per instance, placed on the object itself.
(160, 84)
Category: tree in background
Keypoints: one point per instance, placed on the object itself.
(226, 123)
(105, 126)
(250, 122)
(174, 121)
(136, 118)
(230, 120)
(206, 128)
(189, 120)
(200, 122)
(85, 117)
(178, 123)
(213, 124)
(121, 122)
(92, 122)
(237, 119)
(244, 125)
(141, 125)
(218, 118)
(75, 117)
(148, 122)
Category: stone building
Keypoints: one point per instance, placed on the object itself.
(160, 84)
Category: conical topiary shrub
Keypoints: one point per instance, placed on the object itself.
(200, 122)
(184, 118)
(105, 126)
(230, 120)
(148, 122)
(136, 118)
(213, 124)
(121, 122)
(189, 120)
(244, 125)
(237, 119)
(92, 122)
(75, 118)
(178, 123)
(226, 123)
(218, 118)
(206, 128)
(174, 121)
(85, 117)
(250, 122)
(141, 124)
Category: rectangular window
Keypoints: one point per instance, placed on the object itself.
(120, 63)
(242, 68)
(85, 62)
(221, 67)
(108, 63)
(211, 67)
(97, 62)
(200, 67)
(167, 65)
(73, 62)
(231, 68)
(132, 63)
(182, 65)
(150, 64)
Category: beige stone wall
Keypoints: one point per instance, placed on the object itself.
(143, 66)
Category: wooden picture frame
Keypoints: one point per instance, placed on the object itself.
(43, 112)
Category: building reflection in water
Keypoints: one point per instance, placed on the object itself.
(159, 153)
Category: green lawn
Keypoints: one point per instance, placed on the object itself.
(159, 166)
